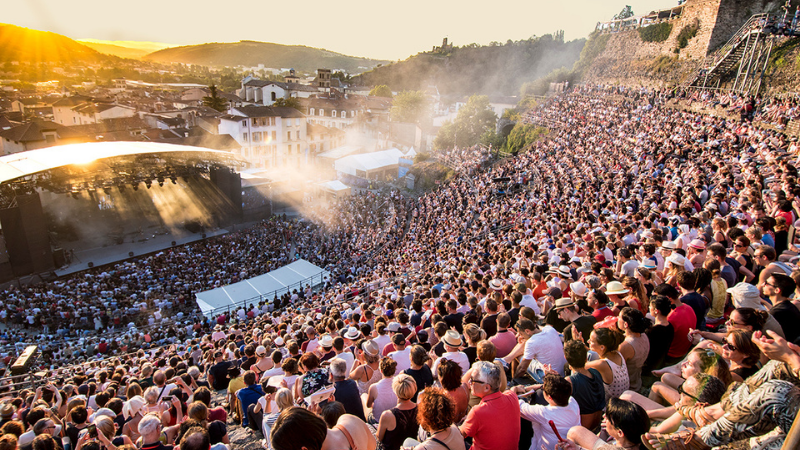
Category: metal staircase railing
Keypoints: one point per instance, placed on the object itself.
(731, 52)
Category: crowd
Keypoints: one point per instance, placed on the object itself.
(636, 291)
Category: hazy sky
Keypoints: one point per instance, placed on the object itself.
(377, 29)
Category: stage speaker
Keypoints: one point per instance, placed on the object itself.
(59, 257)
(27, 240)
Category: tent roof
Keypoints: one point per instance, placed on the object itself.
(369, 161)
(276, 282)
(334, 185)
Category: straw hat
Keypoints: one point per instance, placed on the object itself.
(563, 303)
(370, 348)
(616, 288)
(677, 259)
(452, 338)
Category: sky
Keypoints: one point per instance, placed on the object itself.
(387, 29)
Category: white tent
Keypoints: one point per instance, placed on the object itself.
(335, 187)
(362, 164)
(278, 282)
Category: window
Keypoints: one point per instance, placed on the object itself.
(344, 114)
(288, 135)
(257, 137)
(244, 137)
(274, 135)
(244, 123)
(311, 112)
(298, 135)
(333, 113)
(352, 113)
(289, 149)
(321, 112)
(297, 122)
(274, 97)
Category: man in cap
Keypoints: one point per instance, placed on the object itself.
(218, 373)
(401, 353)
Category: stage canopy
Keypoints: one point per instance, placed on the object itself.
(278, 282)
(18, 165)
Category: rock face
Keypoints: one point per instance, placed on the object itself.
(627, 59)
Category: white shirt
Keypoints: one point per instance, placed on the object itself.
(547, 348)
(564, 418)
(349, 359)
(402, 359)
(458, 357)
(530, 302)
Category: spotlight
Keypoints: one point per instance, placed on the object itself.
(135, 186)
(161, 183)
(174, 179)
(148, 183)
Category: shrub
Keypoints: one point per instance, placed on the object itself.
(687, 33)
(656, 33)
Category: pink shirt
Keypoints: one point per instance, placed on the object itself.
(494, 423)
(504, 341)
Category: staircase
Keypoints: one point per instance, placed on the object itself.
(731, 55)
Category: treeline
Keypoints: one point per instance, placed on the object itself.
(496, 69)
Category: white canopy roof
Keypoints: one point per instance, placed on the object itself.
(277, 282)
(22, 164)
(368, 161)
(334, 185)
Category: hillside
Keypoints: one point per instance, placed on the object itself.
(27, 45)
(116, 50)
(252, 53)
(491, 70)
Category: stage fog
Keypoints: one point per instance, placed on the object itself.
(104, 217)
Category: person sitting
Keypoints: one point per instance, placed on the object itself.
(587, 384)
(626, 422)
(400, 422)
(381, 397)
(248, 397)
(298, 428)
(494, 423)
(450, 377)
(436, 415)
(346, 390)
(562, 410)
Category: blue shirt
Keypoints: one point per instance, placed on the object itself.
(248, 396)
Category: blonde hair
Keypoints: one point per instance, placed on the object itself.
(106, 426)
(151, 395)
(404, 386)
(283, 398)
(474, 334)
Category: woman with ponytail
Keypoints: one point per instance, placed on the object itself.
(611, 365)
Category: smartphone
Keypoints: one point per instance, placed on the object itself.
(167, 398)
(270, 390)
(92, 430)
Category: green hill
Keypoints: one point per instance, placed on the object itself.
(498, 69)
(252, 53)
(27, 45)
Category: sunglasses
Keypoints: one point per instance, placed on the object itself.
(682, 391)
(729, 346)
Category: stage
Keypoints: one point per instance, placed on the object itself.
(141, 245)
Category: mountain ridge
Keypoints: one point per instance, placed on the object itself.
(270, 54)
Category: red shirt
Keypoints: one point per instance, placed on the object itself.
(602, 313)
(494, 423)
(682, 318)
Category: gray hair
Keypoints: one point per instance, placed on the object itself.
(338, 367)
(149, 424)
(489, 373)
(194, 372)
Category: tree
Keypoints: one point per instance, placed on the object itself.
(412, 107)
(472, 123)
(291, 102)
(214, 101)
(381, 90)
(626, 12)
